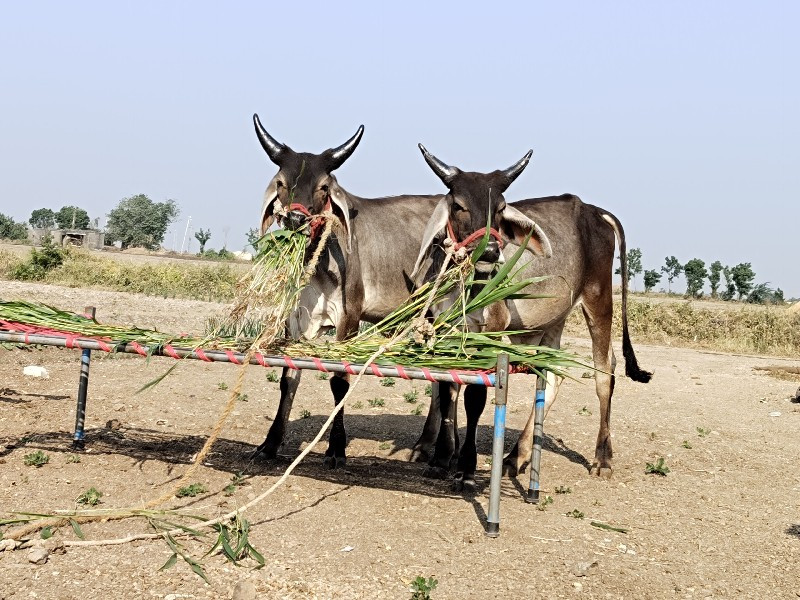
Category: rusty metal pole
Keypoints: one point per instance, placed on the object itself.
(538, 435)
(78, 442)
(498, 445)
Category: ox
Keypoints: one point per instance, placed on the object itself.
(581, 240)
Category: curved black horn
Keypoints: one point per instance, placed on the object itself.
(518, 167)
(445, 172)
(338, 155)
(271, 146)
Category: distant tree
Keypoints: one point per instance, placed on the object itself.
(777, 296)
(72, 217)
(714, 276)
(252, 238)
(202, 237)
(634, 256)
(696, 273)
(743, 276)
(43, 218)
(11, 230)
(138, 221)
(730, 287)
(672, 268)
(651, 278)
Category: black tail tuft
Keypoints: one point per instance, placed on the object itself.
(632, 368)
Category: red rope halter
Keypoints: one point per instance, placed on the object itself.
(316, 221)
(472, 237)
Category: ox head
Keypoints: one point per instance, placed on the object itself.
(305, 184)
(473, 200)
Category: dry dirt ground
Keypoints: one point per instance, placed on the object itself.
(724, 523)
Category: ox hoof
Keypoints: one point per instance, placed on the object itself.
(265, 452)
(511, 468)
(419, 454)
(335, 462)
(432, 472)
(602, 471)
(464, 484)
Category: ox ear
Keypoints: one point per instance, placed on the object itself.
(436, 224)
(516, 226)
(339, 201)
(270, 206)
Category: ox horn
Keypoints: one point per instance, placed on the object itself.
(337, 156)
(512, 172)
(445, 172)
(273, 147)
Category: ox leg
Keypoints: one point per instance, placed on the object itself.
(517, 461)
(337, 442)
(598, 317)
(447, 440)
(424, 448)
(474, 403)
(290, 379)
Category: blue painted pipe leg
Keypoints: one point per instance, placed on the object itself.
(498, 446)
(78, 441)
(538, 428)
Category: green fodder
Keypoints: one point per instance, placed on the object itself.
(740, 328)
(80, 269)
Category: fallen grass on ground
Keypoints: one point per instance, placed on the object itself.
(741, 329)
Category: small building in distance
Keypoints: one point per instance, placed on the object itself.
(87, 238)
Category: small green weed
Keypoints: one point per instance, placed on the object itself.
(73, 458)
(428, 389)
(237, 481)
(421, 588)
(272, 376)
(544, 503)
(411, 397)
(377, 402)
(191, 491)
(563, 490)
(703, 432)
(323, 376)
(585, 412)
(388, 382)
(242, 397)
(652, 436)
(657, 468)
(686, 444)
(90, 497)
(358, 405)
(417, 410)
(384, 446)
(222, 385)
(46, 533)
(36, 459)
(575, 514)
(305, 413)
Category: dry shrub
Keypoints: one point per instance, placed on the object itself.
(81, 269)
(740, 328)
(9, 263)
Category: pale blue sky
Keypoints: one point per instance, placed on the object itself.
(681, 118)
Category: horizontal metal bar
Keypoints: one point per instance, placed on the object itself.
(453, 376)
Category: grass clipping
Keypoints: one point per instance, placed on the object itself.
(270, 292)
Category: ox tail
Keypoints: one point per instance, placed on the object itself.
(632, 368)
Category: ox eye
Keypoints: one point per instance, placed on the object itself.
(324, 188)
(279, 184)
(457, 207)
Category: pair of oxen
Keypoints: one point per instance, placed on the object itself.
(383, 247)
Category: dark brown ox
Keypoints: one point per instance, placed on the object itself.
(581, 241)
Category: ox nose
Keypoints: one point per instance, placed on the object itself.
(492, 252)
(294, 220)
